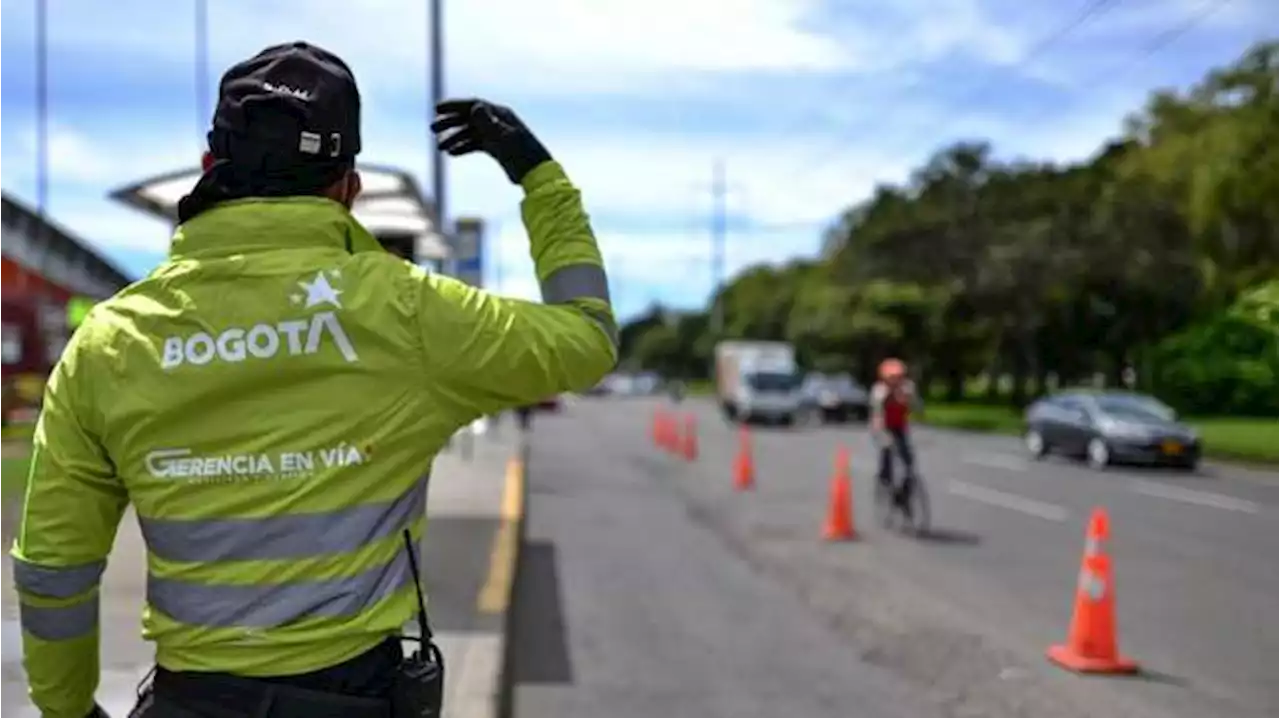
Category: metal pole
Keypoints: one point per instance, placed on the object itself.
(42, 108)
(42, 132)
(717, 245)
(435, 46)
(203, 116)
(436, 55)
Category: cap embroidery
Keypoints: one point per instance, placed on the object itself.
(286, 90)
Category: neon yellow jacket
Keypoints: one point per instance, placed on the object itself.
(269, 401)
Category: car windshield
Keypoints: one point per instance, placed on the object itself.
(1138, 408)
(772, 381)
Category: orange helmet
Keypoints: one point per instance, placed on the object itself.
(892, 369)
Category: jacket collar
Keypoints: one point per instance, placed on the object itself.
(261, 224)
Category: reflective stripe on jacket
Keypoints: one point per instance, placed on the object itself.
(269, 400)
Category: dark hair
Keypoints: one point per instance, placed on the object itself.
(254, 172)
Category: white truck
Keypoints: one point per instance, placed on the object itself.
(757, 380)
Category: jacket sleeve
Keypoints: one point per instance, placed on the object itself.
(73, 505)
(485, 353)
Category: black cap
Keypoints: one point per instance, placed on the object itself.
(289, 104)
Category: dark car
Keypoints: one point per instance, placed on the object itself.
(833, 398)
(1110, 428)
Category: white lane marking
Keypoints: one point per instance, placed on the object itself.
(996, 461)
(1003, 499)
(1201, 498)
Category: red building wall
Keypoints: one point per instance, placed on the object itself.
(19, 281)
(35, 330)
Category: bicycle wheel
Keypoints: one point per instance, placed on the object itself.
(917, 519)
(886, 508)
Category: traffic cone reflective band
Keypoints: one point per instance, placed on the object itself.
(839, 525)
(1091, 639)
(744, 470)
(689, 447)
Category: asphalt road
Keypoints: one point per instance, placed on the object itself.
(649, 586)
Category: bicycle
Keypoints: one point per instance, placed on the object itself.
(905, 503)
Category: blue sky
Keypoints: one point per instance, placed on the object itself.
(809, 103)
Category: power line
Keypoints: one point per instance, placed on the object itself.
(1154, 45)
(1087, 12)
(1168, 36)
(1090, 10)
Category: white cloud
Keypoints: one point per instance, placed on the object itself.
(645, 267)
(573, 45)
(772, 179)
(80, 154)
(566, 46)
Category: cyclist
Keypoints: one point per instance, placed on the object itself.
(270, 401)
(892, 398)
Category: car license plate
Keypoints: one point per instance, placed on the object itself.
(1172, 448)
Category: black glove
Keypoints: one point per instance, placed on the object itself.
(492, 129)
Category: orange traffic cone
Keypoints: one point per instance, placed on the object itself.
(666, 435)
(689, 448)
(1091, 639)
(655, 430)
(744, 470)
(839, 525)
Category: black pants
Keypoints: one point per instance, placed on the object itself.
(359, 688)
(900, 444)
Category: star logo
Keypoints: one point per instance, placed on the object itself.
(319, 291)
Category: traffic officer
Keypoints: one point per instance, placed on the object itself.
(269, 401)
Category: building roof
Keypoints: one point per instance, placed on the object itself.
(14, 209)
(391, 204)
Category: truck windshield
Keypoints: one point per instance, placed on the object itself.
(771, 381)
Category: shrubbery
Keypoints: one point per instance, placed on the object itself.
(1227, 364)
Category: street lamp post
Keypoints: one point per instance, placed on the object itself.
(203, 116)
(42, 132)
(435, 54)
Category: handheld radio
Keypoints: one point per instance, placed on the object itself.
(419, 685)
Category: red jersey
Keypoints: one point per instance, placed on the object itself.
(893, 406)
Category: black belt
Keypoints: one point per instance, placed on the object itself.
(225, 694)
